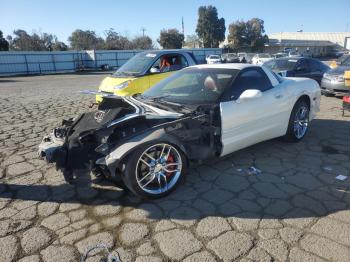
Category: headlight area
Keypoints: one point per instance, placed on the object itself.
(334, 78)
(122, 86)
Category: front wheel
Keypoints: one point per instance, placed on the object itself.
(298, 122)
(154, 170)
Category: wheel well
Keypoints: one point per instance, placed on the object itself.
(128, 154)
(305, 98)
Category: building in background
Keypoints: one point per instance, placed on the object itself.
(309, 43)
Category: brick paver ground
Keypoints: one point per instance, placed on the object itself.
(294, 211)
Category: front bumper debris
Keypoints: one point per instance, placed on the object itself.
(50, 147)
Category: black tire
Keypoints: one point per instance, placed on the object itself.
(291, 135)
(130, 171)
(327, 94)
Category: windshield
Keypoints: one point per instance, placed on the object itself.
(214, 57)
(344, 60)
(193, 86)
(281, 64)
(136, 65)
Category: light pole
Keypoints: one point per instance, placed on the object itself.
(143, 31)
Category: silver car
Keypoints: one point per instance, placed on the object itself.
(333, 81)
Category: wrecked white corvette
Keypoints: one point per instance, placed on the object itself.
(199, 112)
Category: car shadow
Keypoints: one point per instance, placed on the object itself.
(297, 180)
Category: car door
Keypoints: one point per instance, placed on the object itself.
(176, 62)
(244, 123)
(316, 72)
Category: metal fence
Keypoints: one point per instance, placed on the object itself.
(27, 63)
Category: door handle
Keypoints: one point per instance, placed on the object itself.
(278, 96)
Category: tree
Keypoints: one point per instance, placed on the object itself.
(170, 38)
(192, 41)
(59, 46)
(142, 42)
(114, 41)
(210, 29)
(4, 45)
(248, 35)
(85, 40)
(22, 41)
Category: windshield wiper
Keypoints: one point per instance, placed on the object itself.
(124, 74)
(158, 100)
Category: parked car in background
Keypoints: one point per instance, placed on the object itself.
(337, 53)
(294, 54)
(200, 112)
(333, 82)
(279, 55)
(261, 58)
(144, 70)
(245, 57)
(230, 58)
(213, 59)
(298, 67)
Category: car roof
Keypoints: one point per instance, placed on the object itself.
(238, 66)
(291, 58)
(166, 51)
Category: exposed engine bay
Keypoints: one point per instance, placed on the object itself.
(101, 140)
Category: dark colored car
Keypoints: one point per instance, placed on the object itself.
(333, 82)
(298, 67)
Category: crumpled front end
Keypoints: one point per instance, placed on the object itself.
(50, 146)
(78, 143)
(72, 145)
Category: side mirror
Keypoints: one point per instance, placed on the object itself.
(154, 70)
(248, 95)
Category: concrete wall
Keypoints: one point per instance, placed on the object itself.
(26, 63)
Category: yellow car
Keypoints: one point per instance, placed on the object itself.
(143, 71)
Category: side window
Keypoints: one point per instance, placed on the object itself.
(324, 68)
(303, 66)
(253, 78)
(178, 62)
(314, 65)
(168, 63)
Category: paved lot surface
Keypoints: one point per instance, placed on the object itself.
(295, 210)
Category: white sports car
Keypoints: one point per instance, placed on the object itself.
(200, 112)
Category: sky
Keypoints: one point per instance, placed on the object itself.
(62, 17)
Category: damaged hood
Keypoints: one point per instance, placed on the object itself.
(123, 109)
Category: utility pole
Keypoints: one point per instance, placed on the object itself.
(143, 31)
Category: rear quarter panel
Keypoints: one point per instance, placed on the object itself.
(297, 87)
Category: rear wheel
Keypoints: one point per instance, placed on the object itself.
(298, 122)
(154, 170)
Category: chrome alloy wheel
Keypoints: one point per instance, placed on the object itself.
(301, 122)
(158, 168)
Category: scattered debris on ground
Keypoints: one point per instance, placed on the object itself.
(341, 177)
(253, 171)
(112, 256)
